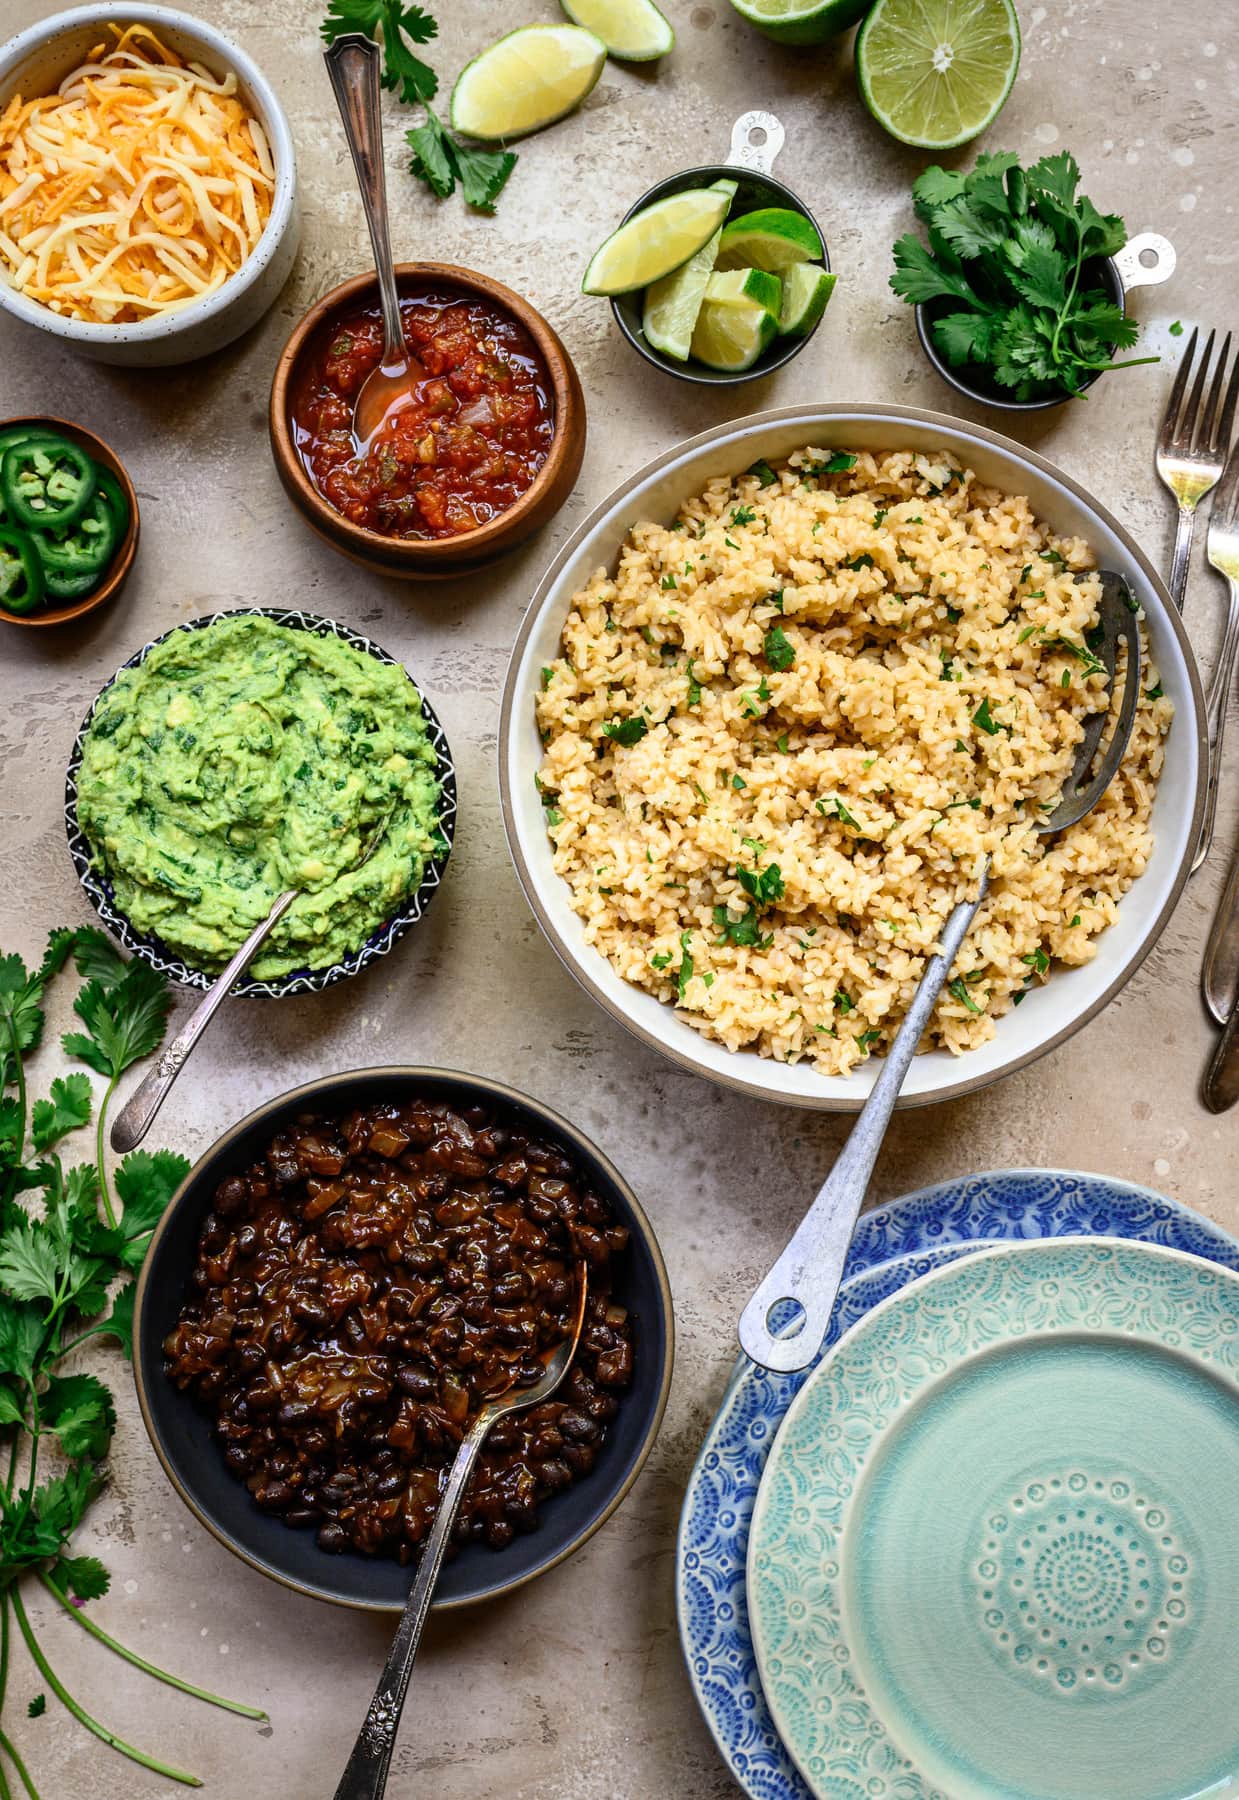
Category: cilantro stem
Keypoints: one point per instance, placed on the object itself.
(6, 1744)
(19, 1138)
(6, 1793)
(140, 1662)
(83, 1717)
(4, 1646)
(99, 1142)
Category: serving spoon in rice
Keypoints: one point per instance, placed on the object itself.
(807, 1274)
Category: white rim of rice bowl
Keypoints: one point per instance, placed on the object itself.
(194, 38)
(1050, 1013)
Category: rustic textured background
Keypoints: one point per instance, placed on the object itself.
(573, 1689)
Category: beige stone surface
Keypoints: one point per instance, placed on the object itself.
(574, 1689)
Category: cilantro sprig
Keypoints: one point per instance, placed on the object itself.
(67, 1275)
(440, 159)
(1010, 248)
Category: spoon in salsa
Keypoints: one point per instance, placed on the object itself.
(353, 66)
(365, 1773)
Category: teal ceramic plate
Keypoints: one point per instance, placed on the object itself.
(994, 1554)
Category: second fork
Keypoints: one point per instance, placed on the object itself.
(1193, 442)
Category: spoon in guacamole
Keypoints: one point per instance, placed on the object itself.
(137, 1115)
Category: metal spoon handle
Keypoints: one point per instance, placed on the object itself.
(353, 65)
(1221, 1084)
(365, 1773)
(811, 1267)
(1216, 701)
(136, 1116)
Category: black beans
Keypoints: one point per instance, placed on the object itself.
(362, 1287)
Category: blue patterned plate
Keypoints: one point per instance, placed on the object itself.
(893, 1245)
(993, 1548)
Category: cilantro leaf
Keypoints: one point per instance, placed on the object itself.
(67, 1110)
(84, 1577)
(743, 932)
(685, 972)
(37, 1707)
(96, 957)
(119, 1322)
(764, 473)
(125, 1021)
(483, 173)
(432, 161)
(778, 649)
(626, 731)
(919, 275)
(145, 1182)
(78, 1409)
(985, 719)
(29, 1264)
(762, 886)
(21, 1015)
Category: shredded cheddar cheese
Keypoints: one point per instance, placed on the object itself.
(140, 185)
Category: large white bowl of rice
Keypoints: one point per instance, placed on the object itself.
(772, 706)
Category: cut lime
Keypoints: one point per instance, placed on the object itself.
(738, 319)
(792, 22)
(526, 80)
(672, 304)
(806, 289)
(773, 238)
(633, 30)
(656, 240)
(935, 73)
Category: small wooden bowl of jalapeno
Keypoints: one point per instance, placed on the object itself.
(68, 522)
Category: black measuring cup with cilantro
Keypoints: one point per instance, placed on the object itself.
(1019, 301)
(63, 516)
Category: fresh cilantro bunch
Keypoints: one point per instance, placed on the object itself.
(60, 1261)
(1010, 246)
(439, 158)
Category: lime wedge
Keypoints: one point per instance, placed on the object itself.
(633, 30)
(672, 304)
(935, 73)
(773, 238)
(658, 239)
(794, 22)
(806, 289)
(526, 80)
(738, 319)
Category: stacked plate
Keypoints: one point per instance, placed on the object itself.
(985, 1546)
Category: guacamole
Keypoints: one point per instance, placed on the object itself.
(247, 758)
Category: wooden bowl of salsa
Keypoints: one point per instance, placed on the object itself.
(487, 453)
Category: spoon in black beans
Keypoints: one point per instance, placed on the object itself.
(365, 1773)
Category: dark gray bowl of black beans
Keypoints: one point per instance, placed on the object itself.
(338, 1283)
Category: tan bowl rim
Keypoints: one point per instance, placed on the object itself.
(360, 538)
(120, 564)
(571, 1134)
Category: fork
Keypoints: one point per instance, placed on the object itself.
(1193, 442)
(1223, 551)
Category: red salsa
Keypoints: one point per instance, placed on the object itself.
(471, 442)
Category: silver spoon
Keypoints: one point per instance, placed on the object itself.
(137, 1115)
(353, 65)
(365, 1773)
(810, 1269)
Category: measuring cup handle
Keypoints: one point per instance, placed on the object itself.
(758, 156)
(1133, 272)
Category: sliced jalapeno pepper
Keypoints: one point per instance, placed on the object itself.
(84, 548)
(46, 481)
(116, 498)
(60, 585)
(21, 573)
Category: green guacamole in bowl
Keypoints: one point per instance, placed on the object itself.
(248, 757)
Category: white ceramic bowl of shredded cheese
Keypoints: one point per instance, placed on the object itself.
(1070, 996)
(37, 60)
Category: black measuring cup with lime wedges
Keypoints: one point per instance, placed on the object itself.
(767, 255)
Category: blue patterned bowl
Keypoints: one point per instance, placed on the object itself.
(152, 950)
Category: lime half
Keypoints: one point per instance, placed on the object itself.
(792, 22)
(526, 80)
(739, 318)
(658, 239)
(935, 73)
(672, 304)
(806, 289)
(772, 238)
(633, 30)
